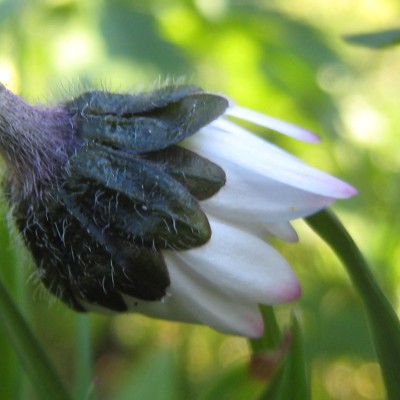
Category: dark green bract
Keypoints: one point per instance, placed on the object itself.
(127, 192)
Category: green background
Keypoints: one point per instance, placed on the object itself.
(284, 58)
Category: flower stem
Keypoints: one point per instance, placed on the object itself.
(35, 362)
(383, 321)
(272, 336)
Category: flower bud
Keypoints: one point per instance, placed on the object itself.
(98, 187)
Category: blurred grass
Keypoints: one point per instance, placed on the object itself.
(289, 62)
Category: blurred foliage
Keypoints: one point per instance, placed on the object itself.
(390, 37)
(288, 61)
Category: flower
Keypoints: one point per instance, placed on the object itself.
(221, 283)
(158, 203)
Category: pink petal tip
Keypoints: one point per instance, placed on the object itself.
(344, 190)
(291, 293)
(256, 328)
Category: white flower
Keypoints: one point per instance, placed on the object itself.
(221, 283)
(109, 207)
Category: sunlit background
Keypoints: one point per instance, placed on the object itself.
(284, 58)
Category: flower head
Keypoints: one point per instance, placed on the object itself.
(157, 203)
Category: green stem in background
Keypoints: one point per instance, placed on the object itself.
(291, 379)
(383, 321)
(44, 378)
(20, 291)
(15, 383)
(83, 358)
(272, 336)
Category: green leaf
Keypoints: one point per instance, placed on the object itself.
(375, 40)
(35, 362)
(290, 367)
(383, 321)
(291, 381)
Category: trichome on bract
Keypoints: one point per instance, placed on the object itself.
(99, 186)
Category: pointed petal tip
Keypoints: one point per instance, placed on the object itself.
(344, 190)
(327, 186)
(310, 137)
(351, 191)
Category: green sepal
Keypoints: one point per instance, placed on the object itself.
(201, 177)
(116, 264)
(155, 129)
(98, 102)
(125, 194)
(152, 207)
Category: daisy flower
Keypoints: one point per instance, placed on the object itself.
(158, 203)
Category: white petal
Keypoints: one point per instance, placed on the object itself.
(193, 300)
(169, 308)
(253, 201)
(282, 230)
(219, 284)
(242, 265)
(275, 124)
(236, 145)
(209, 304)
